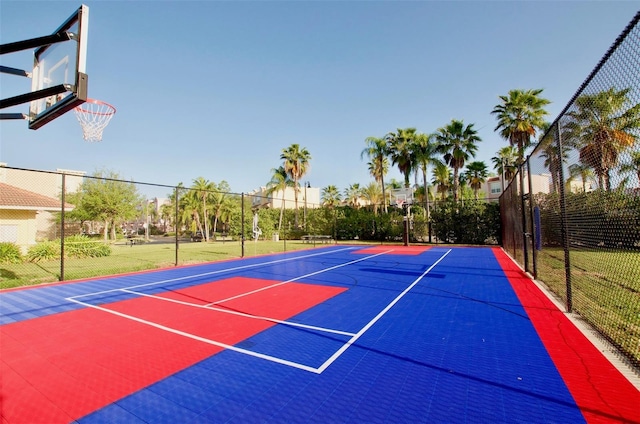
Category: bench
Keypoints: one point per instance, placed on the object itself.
(313, 238)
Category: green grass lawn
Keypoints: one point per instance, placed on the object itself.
(605, 291)
(125, 258)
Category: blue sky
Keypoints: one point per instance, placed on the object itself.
(218, 89)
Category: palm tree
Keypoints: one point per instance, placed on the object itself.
(633, 165)
(190, 205)
(442, 179)
(399, 149)
(220, 202)
(505, 163)
(279, 182)
(330, 196)
(202, 189)
(352, 195)
(476, 174)
(601, 127)
(457, 143)
(373, 195)
(551, 154)
(377, 152)
(520, 114)
(296, 164)
(424, 149)
(579, 170)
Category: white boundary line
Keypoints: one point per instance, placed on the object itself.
(220, 271)
(364, 329)
(318, 370)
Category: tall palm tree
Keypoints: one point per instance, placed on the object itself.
(279, 182)
(457, 143)
(442, 179)
(352, 195)
(476, 174)
(602, 126)
(376, 151)
(190, 205)
(330, 196)
(520, 115)
(399, 150)
(202, 189)
(424, 151)
(296, 164)
(220, 202)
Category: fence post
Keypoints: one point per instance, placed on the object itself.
(242, 223)
(523, 216)
(534, 252)
(176, 223)
(63, 193)
(563, 222)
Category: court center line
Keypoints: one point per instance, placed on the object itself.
(202, 339)
(220, 271)
(297, 278)
(242, 314)
(364, 329)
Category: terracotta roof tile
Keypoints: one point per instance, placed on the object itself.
(12, 197)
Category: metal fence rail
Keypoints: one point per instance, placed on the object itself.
(580, 230)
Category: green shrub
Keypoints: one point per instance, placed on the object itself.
(80, 246)
(44, 251)
(10, 253)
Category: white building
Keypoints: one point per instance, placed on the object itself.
(308, 197)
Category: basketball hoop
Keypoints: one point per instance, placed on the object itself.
(94, 115)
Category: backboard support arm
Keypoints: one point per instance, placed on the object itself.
(33, 43)
(35, 95)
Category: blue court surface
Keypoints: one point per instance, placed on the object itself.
(329, 335)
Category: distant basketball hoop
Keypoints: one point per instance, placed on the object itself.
(94, 116)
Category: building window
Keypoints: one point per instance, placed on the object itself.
(496, 188)
(8, 233)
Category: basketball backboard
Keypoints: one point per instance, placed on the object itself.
(402, 196)
(58, 73)
(61, 64)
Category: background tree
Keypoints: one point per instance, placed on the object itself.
(330, 196)
(632, 165)
(399, 145)
(476, 174)
(376, 151)
(601, 127)
(105, 198)
(506, 162)
(220, 201)
(442, 179)
(279, 182)
(520, 114)
(457, 143)
(425, 151)
(580, 170)
(352, 195)
(373, 195)
(202, 190)
(296, 164)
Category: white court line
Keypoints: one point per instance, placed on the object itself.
(202, 339)
(364, 329)
(220, 271)
(318, 370)
(242, 314)
(217, 302)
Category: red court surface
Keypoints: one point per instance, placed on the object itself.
(61, 367)
(609, 396)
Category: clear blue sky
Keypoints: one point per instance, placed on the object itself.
(218, 89)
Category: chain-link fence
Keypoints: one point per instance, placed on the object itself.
(66, 225)
(571, 216)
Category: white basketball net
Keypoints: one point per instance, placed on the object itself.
(94, 115)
